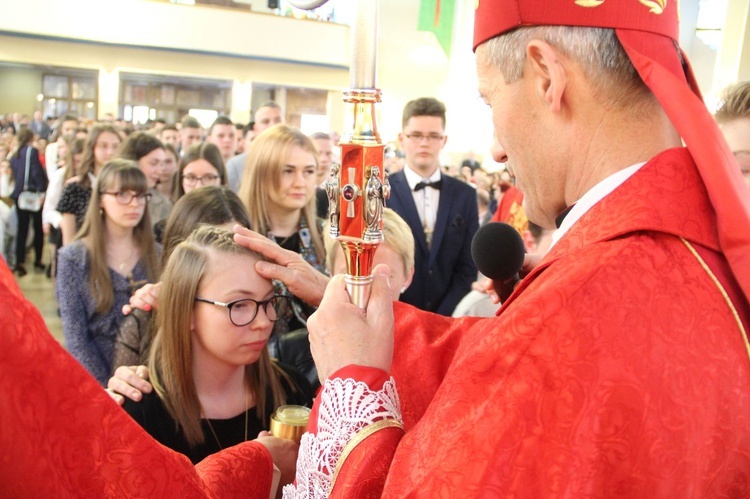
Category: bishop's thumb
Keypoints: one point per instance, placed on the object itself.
(380, 297)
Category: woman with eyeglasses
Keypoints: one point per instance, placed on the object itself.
(201, 166)
(217, 206)
(214, 383)
(113, 254)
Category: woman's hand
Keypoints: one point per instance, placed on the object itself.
(129, 381)
(145, 298)
(300, 278)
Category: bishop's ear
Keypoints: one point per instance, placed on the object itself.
(548, 73)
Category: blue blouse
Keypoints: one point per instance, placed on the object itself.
(89, 336)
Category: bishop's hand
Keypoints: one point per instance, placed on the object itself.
(342, 334)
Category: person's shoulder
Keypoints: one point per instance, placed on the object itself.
(159, 198)
(74, 252)
(74, 248)
(459, 185)
(58, 176)
(296, 387)
(589, 272)
(16, 161)
(237, 161)
(149, 412)
(73, 184)
(398, 176)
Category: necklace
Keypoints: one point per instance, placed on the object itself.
(210, 427)
(122, 261)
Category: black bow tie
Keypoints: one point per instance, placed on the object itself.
(434, 185)
(559, 219)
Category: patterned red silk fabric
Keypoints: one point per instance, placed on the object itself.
(617, 369)
(62, 436)
(510, 210)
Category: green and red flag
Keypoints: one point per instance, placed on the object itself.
(436, 16)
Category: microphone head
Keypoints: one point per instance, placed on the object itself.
(497, 250)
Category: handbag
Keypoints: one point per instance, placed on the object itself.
(28, 200)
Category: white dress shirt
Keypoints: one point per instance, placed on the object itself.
(426, 200)
(593, 196)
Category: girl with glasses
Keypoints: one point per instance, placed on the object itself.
(214, 383)
(217, 206)
(201, 166)
(113, 254)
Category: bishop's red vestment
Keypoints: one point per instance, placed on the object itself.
(619, 368)
(62, 436)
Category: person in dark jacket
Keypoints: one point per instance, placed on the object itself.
(37, 182)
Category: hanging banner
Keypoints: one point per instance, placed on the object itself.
(436, 16)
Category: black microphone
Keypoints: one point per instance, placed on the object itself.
(498, 252)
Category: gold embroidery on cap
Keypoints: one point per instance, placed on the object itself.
(656, 6)
(476, 4)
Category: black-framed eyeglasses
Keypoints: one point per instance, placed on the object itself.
(418, 137)
(208, 179)
(126, 198)
(243, 311)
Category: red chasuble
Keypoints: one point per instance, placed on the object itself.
(62, 436)
(619, 368)
(510, 210)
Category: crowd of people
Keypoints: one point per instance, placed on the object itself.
(166, 240)
(66, 155)
(118, 203)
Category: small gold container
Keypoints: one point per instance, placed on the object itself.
(290, 422)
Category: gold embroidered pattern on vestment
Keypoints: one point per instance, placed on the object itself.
(723, 294)
(358, 439)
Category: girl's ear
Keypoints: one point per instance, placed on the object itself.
(193, 320)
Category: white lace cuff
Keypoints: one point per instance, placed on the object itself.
(346, 407)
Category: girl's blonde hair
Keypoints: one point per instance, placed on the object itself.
(266, 159)
(735, 103)
(93, 233)
(170, 361)
(397, 235)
